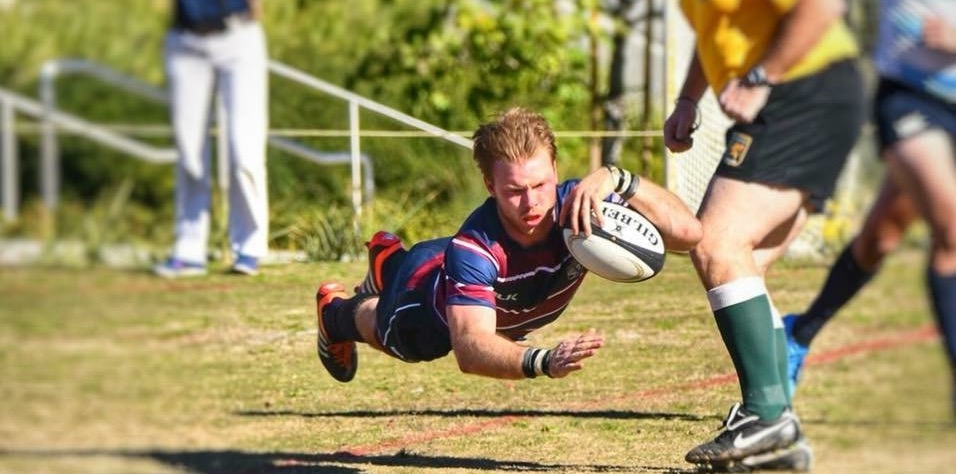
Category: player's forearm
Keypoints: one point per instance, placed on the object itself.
(492, 356)
(478, 348)
(679, 228)
(797, 33)
(695, 83)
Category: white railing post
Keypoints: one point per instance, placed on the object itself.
(222, 147)
(356, 157)
(49, 147)
(8, 155)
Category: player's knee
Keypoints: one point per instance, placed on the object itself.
(687, 235)
(870, 250)
(944, 240)
(712, 251)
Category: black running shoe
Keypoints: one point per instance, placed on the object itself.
(745, 434)
(339, 358)
(381, 246)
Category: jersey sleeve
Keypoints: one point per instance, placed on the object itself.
(470, 270)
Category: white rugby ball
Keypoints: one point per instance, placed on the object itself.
(627, 248)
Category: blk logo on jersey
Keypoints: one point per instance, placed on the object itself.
(737, 149)
(506, 296)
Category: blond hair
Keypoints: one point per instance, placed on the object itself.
(513, 136)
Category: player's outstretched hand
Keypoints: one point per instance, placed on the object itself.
(569, 353)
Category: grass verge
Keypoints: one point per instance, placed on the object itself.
(118, 372)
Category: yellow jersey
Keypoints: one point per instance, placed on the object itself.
(732, 36)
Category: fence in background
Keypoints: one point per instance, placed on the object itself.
(51, 120)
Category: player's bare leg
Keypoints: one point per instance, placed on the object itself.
(727, 265)
(924, 166)
(881, 233)
(365, 317)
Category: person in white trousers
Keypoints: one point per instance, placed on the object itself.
(218, 46)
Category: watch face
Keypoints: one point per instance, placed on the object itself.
(756, 77)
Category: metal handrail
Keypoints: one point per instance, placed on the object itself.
(51, 69)
(302, 78)
(11, 102)
(84, 127)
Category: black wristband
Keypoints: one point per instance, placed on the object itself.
(631, 188)
(527, 362)
(756, 77)
(627, 179)
(535, 362)
(620, 175)
(546, 363)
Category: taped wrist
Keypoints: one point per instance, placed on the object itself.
(535, 362)
(617, 175)
(625, 182)
(631, 188)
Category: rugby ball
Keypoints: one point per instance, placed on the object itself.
(627, 248)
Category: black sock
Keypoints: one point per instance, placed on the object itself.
(339, 319)
(942, 289)
(844, 281)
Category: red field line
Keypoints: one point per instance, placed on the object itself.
(922, 334)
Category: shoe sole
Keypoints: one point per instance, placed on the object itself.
(179, 273)
(798, 457)
(244, 270)
(788, 428)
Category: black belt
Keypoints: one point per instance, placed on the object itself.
(215, 26)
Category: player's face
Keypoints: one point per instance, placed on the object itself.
(525, 194)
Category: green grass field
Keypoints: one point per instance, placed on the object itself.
(107, 371)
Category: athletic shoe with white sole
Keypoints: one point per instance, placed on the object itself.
(744, 435)
(176, 268)
(796, 458)
(246, 265)
(382, 246)
(340, 359)
(796, 352)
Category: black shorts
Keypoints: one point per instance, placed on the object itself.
(406, 325)
(802, 137)
(901, 112)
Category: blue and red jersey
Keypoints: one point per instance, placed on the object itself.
(527, 287)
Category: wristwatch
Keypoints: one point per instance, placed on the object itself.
(757, 77)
